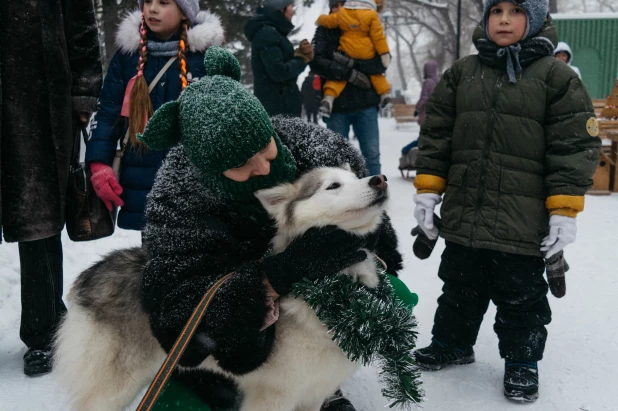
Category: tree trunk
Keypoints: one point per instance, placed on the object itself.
(402, 74)
(111, 19)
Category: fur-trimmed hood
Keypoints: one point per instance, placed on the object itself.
(564, 47)
(206, 32)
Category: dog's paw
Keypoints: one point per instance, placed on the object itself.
(364, 272)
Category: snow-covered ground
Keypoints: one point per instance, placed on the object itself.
(578, 372)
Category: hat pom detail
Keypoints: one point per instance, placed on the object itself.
(163, 128)
(220, 62)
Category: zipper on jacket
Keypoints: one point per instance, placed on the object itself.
(485, 158)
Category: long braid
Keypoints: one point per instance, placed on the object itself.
(141, 106)
(182, 44)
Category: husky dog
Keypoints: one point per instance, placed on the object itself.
(106, 352)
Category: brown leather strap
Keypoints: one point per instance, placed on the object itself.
(157, 385)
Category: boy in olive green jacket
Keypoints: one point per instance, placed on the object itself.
(511, 141)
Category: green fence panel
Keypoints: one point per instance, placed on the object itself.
(593, 38)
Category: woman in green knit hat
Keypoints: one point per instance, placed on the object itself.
(203, 221)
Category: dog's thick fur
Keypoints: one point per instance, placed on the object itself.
(105, 350)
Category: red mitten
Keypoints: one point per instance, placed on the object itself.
(105, 185)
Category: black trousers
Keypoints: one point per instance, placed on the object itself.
(41, 290)
(312, 116)
(515, 284)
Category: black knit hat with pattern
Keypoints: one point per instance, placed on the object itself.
(221, 125)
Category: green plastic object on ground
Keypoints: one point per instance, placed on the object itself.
(402, 292)
(178, 397)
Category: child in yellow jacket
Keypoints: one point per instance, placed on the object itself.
(362, 37)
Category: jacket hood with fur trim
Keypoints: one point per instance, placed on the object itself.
(206, 32)
(562, 46)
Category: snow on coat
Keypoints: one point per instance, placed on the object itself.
(139, 167)
(194, 237)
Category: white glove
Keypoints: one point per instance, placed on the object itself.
(425, 204)
(386, 59)
(562, 232)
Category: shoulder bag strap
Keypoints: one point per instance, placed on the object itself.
(151, 86)
(157, 385)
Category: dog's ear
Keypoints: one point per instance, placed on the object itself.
(275, 199)
(346, 166)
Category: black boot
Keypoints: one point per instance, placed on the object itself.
(438, 355)
(337, 402)
(521, 381)
(38, 361)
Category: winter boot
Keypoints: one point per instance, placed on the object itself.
(386, 101)
(327, 106)
(438, 355)
(337, 402)
(521, 381)
(38, 361)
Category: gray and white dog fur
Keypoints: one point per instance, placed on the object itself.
(106, 353)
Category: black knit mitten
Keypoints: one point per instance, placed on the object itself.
(317, 253)
(556, 267)
(423, 245)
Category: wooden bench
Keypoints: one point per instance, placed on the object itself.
(598, 105)
(608, 130)
(404, 113)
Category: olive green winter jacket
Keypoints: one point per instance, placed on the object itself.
(507, 155)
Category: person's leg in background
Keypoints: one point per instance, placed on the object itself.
(339, 123)
(41, 300)
(313, 117)
(365, 124)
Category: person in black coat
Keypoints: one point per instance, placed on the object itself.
(357, 106)
(311, 91)
(204, 221)
(274, 62)
(50, 77)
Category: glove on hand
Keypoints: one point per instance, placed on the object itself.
(562, 232)
(305, 51)
(423, 245)
(359, 79)
(386, 59)
(425, 204)
(317, 253)
(416, 113)
(343, 59)
(556, 267)
(105, 185)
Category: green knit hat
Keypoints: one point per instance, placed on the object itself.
(221, 125)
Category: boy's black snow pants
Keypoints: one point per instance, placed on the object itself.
(41, 290)
(515, 283)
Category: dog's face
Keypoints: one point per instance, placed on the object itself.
(327, 196)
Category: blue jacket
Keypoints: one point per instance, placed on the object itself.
(139, 167)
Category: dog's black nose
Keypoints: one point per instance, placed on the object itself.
(378, 182)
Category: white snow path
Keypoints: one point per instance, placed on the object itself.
(578, 372)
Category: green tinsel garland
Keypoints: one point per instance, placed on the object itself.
(370, 325)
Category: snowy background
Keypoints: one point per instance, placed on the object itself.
(578, 372)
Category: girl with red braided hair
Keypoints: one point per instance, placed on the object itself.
(161, 32)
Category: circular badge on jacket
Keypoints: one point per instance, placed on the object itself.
(592, 126)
